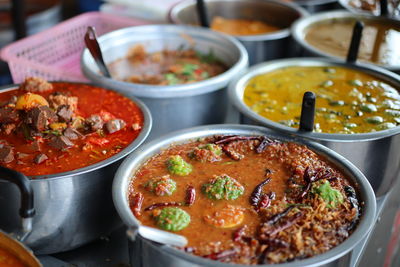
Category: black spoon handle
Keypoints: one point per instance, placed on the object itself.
(355, 42)
(202, 11)
(384, 8)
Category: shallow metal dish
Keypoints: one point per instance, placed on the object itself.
(376, 154)
(175, 106)
(72, 208)
(146, 253)
(300, 27)
(260, 47)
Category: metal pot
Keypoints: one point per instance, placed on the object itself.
(176, 106)
(314, 6)
(72, 208)
(393, 11)
(301, 26)
(260, 47)
(10, 244)
(376, 154)
(18, 250)
(146, 253)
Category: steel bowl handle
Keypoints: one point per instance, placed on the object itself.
(27, 211)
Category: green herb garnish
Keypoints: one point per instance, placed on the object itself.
(172, 219)
(188, 69)
(331, 196)
(223, 187)
(177, 165)
(171, 78)
(207, 58)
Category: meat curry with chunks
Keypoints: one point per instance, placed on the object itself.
(48, 128)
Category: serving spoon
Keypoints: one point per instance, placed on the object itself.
(93, 45)
(203, 13)
(308, 105)
(156, 235)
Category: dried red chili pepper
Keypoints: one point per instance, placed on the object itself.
(273, 244)
(190, 195)
(351, 196)
(232, 154)
(312, 176)
(265, 200)
(137, 202)
(221, 255)
(266, 142)
(234, 138)
(278, 216)
(162, 204)
(289, 222)
(239, 233)
(256, 194)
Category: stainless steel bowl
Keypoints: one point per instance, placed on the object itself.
(146, 253)
(393, 11)
(176, 106)
(376, 154)
(300, 27)
(260, 47)
(72, 208)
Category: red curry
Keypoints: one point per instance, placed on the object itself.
(48, 128)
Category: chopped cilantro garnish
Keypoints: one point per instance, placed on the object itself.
(188, 69)
(207, 58)
(331, 196)
(171, 79)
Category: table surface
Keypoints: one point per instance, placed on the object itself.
(380, 248)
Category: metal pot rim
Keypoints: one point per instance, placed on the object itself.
(140, 156)
(238, 84)
(298, 28)
(345, 4)
(313, 2)
(283, 33)
(164, 91)
(147, 124)
(21, 246)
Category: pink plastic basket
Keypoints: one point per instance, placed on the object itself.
(54, 54)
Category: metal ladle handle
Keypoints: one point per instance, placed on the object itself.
(203, 14)
(27, 210)
(156, 235)
(355, 42)
(94, 48)
(384, 8)
(307, 112)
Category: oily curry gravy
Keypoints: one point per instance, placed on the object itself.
(241, 26)
(379, 43)
(246, 199)
(347, 101)
(48, 128)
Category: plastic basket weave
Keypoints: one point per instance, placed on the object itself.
(54, 54)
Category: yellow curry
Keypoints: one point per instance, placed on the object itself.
(348, 101)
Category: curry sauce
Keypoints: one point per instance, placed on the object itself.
(241, 26)
(379, 42)
(231, 195)
(48, 128)
(347, 101)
